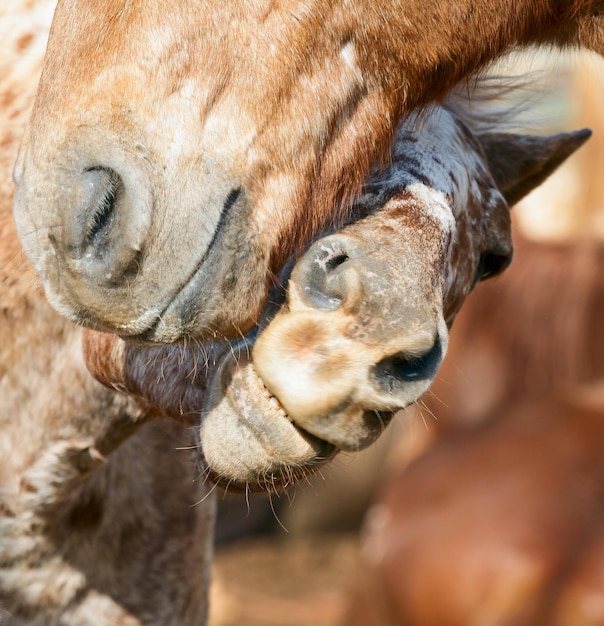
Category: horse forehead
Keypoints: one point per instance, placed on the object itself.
(438, 170)
(434, 207)
(447, 154)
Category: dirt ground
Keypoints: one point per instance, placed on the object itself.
(268, 582)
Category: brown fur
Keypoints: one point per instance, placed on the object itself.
(286, 104)
(500, 525)
(362, 328)
(59, 519)
(98, 523)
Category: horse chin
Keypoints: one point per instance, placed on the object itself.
(246, 438)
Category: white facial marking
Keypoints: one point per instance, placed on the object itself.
(444, 158)
(349, 55)
(435, 206)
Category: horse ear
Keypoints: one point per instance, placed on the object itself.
(519, 163)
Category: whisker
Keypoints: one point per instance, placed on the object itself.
(440, 400)
(210, 492)
(381, 420)
(247, 498)
(421, 403)
(270, 499)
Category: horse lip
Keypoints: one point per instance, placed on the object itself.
(276, 467)
(173, 321)
(157, 332)
(249, 398)
(257, 407)
(182, 307)
(222, 375)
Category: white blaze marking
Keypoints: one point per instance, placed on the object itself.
(349, 55)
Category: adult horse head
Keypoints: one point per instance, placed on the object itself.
(363, 325)
(179, 151)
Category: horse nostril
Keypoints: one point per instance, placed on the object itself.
(326, 276)
(104, 186)
(334, 262)
(106, 227)
(394, 372)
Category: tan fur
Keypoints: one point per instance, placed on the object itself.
(63, 560)
(98, 523)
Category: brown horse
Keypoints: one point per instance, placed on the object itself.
(500, 524)
(179, 151)
(96, 518)
(364, 326)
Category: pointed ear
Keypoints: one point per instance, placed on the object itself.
(519, 163)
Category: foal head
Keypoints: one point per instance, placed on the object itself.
(364, 326)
